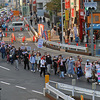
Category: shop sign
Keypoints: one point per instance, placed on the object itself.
(72, 3)
(66, 14)
(72, 12)
(67, 4)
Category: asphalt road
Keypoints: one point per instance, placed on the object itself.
(25, 85)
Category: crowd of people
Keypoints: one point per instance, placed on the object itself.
(44, 63)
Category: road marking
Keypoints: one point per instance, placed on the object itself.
(37, 92)
(20, 87)
(5, 83)
(4, 68)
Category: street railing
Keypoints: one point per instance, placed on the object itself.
(75, 89)
(66, 46)
(56, 92)
(58, 45)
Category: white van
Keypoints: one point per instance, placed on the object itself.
(16, 25)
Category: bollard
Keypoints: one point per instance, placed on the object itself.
(73, 83)
(85, 45)
(13, 29)
(33, 38)
(21, 28)
(94, 46)
(46, 79)
(28, 28)
(6, 29)
(94, 88)
(6, 34)
(76, 44)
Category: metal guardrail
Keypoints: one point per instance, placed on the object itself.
(75, 89)
(57, 92)
(65, 46)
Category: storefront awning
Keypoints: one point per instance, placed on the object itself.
(95, 27)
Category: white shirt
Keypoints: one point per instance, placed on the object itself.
(42, 63)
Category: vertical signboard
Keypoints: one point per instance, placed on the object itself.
(67, 4)
(66, 14)
(72, 12)
(40, 29)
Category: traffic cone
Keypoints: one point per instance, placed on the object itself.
(76, 44)
(13, 29)
(6, 34)
(94, 46)
(14, 38)
(24, 38)
(33, 38)
(85, 45)
(11, 40)
(6, 29)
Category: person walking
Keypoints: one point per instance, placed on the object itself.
(3, 51)
(62, 68)
(16, 60)
(37, 60)
(49, 63)
(71, 36)
(20, 55)
(79, 68)
(48, 24)
(26, 60)
(42, 66)
(70, 70)
(32, 61)
(31, 21)
(88, 70)
(44, 19)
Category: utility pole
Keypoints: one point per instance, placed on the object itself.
(92, 44)
(16, 4)
(19, 5)
(32, 7)
(62, 20)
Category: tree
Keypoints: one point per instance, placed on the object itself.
(54, 6)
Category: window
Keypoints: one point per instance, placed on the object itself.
(40, 6)
(17, 24)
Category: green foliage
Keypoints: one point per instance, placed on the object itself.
(54, 5)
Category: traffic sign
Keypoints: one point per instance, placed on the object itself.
(90, 5)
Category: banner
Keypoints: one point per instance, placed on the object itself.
(67, 4)
(66, 14)
(40, 43)
(40, 29)
(72, 3)
(72, 12)
(49, 35)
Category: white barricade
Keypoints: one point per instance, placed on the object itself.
(57, 92)
(77, 89)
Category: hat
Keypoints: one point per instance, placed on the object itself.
(87, 60)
